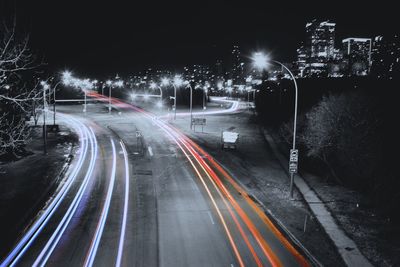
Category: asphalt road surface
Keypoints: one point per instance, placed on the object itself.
(140, 193)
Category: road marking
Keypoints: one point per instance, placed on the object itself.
(150, 151)
(211, 218)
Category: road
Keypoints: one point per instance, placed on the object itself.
(140, 193)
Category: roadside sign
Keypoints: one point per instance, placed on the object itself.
(294, 155)
(293, 160)
(199, 121)
(138, 134)
(293, 167)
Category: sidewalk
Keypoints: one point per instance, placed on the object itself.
(346, 247)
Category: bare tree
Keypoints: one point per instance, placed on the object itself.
(341, 132)
(16, 95)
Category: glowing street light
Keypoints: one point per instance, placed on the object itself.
(260, 61)
(66, 78)
(220, 85)
(164, 81)
(119, 83)
(205, 91)
(153, 85)
(177, 82)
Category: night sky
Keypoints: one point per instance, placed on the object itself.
(100, 39)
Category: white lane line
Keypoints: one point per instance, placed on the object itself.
(211, 218)
(150, 151)
(30, 236)
(125, 214)
(46, 252)
(100, 226)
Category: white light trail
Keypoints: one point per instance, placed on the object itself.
(30, 236)
(100, 226)
(46, 252)
(126, 203)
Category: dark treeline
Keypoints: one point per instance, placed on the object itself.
(347, 131)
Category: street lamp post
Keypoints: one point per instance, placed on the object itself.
(153, 85)
(191, 105)
(45, 87)
(109, 99)
(294, 121)
(176, 82)
(260, 61)
(109, 83)
(174, 101)
(54, 102)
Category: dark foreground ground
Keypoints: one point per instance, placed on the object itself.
(26, 184)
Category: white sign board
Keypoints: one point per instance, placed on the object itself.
(293, 160)
(230, 137)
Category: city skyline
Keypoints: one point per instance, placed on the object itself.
(123, 38)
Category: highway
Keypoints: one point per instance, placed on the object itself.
(141, 193)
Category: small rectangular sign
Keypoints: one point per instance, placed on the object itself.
(199, 121)
(293, 167)
(294, 155)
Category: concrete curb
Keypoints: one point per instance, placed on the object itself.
(346, 247)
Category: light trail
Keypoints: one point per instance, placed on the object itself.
(238, 226)
(29, 237)
(232, 109)
(300, 259)
(100, 226)
(46, 252)
(227, 231)
(126, 203)
(274, 260)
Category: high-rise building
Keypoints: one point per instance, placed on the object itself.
(302, 60)
(386, 56)
(318, 49)
(358, 53)
(219, 68)
(237, 66)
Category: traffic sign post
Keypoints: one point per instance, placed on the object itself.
(293, 166)
(199, 121)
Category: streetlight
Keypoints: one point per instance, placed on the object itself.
(191, 102)
(119, 84)
(84, 85)
(153, 86)
(205, 90)
(260, 61)
(109, 83)
(45, 87)
(177, 82)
